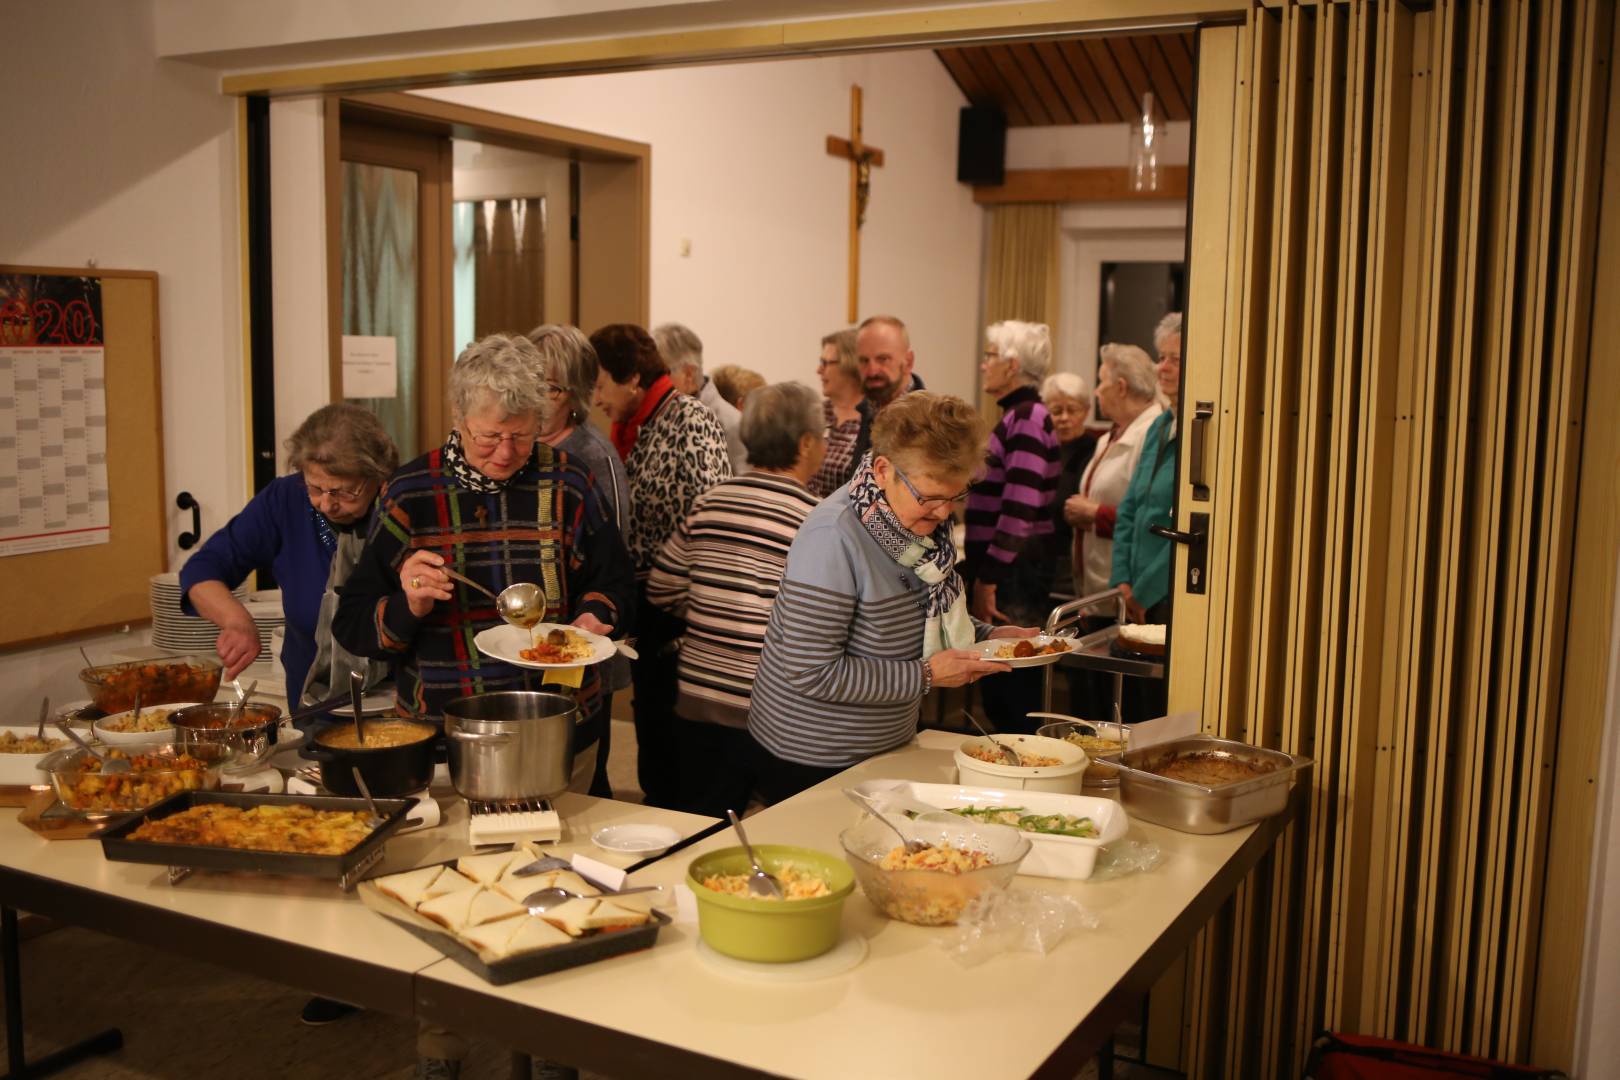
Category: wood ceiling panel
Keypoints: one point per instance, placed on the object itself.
(1079, 81)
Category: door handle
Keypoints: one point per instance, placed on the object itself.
(1203, 412)
(1196, 538)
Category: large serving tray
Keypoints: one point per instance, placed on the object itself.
(575, 953)
(1196, 808)
(346, 869)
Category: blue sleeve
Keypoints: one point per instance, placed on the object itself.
(251, 539)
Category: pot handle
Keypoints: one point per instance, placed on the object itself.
(492, 739)
(309, 752)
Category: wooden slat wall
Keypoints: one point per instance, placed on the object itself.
(1088, 81)
(1390, 301)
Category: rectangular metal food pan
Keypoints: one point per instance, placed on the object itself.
(1194, 808)
(346, 869)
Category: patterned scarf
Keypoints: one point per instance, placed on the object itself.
(624, 432)
(468, 477)
(932, 558)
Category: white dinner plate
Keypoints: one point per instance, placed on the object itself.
(373, 704)
(503, 643)
(990, 646)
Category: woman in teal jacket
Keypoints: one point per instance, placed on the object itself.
(1141, 559)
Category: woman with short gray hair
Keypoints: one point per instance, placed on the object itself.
(720, 571)
(567, 371)
(500, 507)
(842, 388)
(1128, 395)
(1069, 403)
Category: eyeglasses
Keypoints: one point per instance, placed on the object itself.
(340, 494)
(931, 500)
(521, 441)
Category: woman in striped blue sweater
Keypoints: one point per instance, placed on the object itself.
(871, 614)
(720, 572)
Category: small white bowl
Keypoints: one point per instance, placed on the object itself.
(164, 734)
(645, 841)
(1067, 777)
(23, 769)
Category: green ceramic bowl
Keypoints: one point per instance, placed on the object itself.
(770, 931)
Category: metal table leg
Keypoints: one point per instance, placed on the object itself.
(17, 1066)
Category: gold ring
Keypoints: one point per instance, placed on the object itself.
(416, 583)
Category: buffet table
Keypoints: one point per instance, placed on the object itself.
(909, 1009)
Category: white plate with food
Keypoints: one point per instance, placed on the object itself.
(1034, 651)
(1065, 831)
(548, 645)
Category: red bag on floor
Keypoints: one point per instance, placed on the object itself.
(1336, 1056)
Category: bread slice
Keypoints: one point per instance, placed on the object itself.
(575, 884)
(516, 888)
(532, 935)
(492, 938)
(610, 916)
(642, 902)
(570, 915)
(453, 910)
(449, 882)
(488, 906)
(409, 888)
(487, 869)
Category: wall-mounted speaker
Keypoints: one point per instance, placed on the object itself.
(981, 145)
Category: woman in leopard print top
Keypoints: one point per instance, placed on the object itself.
(674, 450)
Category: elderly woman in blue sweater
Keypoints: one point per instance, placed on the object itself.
(871, 614)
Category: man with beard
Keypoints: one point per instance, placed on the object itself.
(883, 349)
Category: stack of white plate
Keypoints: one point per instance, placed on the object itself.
(174, 630)
(265, 607)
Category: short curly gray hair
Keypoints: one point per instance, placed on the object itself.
(346, 440)
(568, 361)
(1132, 363)
(775, 418)
(500, 370)
(1030, 342)
(679, 346)
(1169, 326)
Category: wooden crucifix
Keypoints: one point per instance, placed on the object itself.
(861, 160)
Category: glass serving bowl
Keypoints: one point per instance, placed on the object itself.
(155, 773)
(168, 679)
(931, 897)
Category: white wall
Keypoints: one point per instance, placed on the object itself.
(740, 169)
(117, 157)
(298, 264)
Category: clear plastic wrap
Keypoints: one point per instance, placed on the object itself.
(1125, 857)
(1015, 920)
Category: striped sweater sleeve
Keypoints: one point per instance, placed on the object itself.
(1029, 455)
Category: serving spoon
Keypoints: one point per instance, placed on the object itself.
(110, 766)
(760, 883)
(522, 605)
(869, 804)
(543, 900)
(1006, 751)
(44, 715)
(375, 819)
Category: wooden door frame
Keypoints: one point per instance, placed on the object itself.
(364, 143)
(411, 115)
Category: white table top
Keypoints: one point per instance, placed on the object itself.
(909, 1010)
(261, 914)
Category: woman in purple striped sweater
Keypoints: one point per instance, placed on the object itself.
(1009, 516)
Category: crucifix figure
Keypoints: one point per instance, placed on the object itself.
(861, 160)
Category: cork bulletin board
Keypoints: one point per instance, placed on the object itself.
(72, 328)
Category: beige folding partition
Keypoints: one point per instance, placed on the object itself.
(1394, 236)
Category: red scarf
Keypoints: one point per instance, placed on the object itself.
(625, 431)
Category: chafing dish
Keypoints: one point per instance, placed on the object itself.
(1197, 808)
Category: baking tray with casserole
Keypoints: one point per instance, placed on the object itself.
(318, 836)
(470, 910)
(1202, 784)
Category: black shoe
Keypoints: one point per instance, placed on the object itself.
(319, 1011)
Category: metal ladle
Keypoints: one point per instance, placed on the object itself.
(110, 766)
(522, 605)
(1006, 751)
(760, 883)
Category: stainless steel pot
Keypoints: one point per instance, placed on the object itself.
(517, 744)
